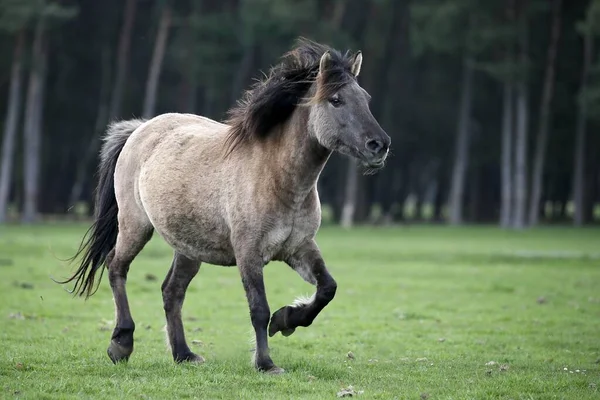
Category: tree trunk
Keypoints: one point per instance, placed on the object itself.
(350, 194)
(94, 143)
(11, 124)
(520, 169)
(157, 60)
(589, 196)
(474, 195)
(440, 195)
(244, 71)
(542, 134)
(122, 60)
(580, 136)
(522, 122)
(461, 151)
(382, 73)
(506, 208)
(33, 119)
(188, 90)
(351, 205)
(351, 187)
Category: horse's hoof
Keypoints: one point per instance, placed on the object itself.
(118, 353)
(190, 358)
(278, 323)
(275, 371)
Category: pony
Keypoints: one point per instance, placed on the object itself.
(238, 193)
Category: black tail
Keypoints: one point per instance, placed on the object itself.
(101, 237)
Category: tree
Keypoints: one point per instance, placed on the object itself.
(522, 124)
(110, 100)
(506, 155)
(99, 126)
(11, 124)
(43, 14)
(451, 27)
(33, 120)
(122, 59)
(461, 151)
(16, 15)
(544, 115)
(589, 28)
(158, 55)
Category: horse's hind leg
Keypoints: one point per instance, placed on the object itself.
(131, 240)
(182, 271)
(309, 264)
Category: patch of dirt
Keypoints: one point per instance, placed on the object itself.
(23, 285)
(349, 392)
(16, 315)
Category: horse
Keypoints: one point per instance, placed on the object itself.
(242, 192)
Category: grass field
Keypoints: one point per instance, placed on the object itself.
(427, 312)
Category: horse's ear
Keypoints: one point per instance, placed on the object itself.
(325, 61)
(356, 64)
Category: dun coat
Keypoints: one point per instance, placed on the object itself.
(243, 193)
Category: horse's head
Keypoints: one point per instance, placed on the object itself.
(340, 117)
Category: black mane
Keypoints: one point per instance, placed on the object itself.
(272, 100)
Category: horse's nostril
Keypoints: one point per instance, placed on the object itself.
(375, 146)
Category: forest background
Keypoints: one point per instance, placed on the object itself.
(492, 105)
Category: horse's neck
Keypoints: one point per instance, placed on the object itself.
(299, 160)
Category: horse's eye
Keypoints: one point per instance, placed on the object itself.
(335, 101)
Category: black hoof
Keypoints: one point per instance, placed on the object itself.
(279, 322)
(188, 357)
(118, 353)
(267, 366)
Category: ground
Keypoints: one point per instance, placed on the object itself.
(420, 312)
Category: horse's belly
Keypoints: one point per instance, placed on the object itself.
(204, 250)
(198, 239)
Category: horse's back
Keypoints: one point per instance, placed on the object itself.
(171, 169)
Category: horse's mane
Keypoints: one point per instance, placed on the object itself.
(272, 100)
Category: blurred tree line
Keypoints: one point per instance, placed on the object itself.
(491, 105)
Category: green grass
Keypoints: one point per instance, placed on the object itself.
(423, 309)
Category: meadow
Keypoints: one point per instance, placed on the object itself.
(421, 312)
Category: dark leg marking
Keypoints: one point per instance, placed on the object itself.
(181, 273)
(128, 246)
(251, 271)
(310, 265)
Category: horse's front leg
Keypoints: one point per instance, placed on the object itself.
(251, 270)
(309, 264)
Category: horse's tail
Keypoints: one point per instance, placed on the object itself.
(101, 237)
